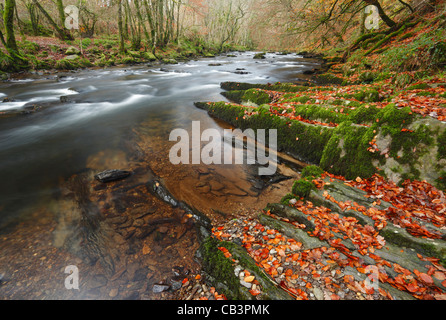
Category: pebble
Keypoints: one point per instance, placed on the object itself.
(246, 284)
(113, 293)
(318, 293)
(237, 270)
(158, 288)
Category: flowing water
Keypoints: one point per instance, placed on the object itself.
(114, 118)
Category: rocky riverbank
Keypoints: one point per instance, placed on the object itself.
(49, 55)
(367, 220)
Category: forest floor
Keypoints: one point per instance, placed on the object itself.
(368, 220)
(49, 54)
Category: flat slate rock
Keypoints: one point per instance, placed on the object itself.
(112, 175)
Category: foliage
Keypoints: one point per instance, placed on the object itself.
(426, 51)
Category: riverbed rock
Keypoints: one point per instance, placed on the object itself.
(112, 175)
(158, 288)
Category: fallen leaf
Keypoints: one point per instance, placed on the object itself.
(426, 278)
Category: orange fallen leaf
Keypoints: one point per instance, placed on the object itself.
(335, 297)
(426, 278)
(254, 292)
(439, 275)
(412, 288)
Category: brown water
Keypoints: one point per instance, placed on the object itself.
(121, 236)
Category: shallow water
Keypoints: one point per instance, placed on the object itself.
(44, 142)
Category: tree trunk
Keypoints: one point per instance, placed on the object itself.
(8, 19)
(33, 16)
(138, 12)
(61, 32)
(15, 60)
(389, 22)
(121, 33)
(61, 9)
(151, 24)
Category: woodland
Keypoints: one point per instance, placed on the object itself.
(366, 217)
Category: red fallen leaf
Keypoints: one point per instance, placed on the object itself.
(439, 275)
(444, 283)
(412, 288)
(426, 278)
(335, 297)
(254, 292)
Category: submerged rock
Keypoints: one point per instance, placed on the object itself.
(112, 175)
(158, 288)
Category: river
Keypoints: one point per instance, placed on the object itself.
(114, 118)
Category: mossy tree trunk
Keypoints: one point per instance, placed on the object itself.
(14, 61)
(389, 22)
(63, 35)
(61, 10)
(33, 17)
(8, 19)
(121, 32)
(141, 21)
(152, 26)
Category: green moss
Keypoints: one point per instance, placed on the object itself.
(29, 47)
(234, 95)
(65, 64)
(321, 113)
(257, 96)
(328, 78)
(312, 171)
(169, 61)
(425, 248)
(368, 76)
(441, 181)
(85, 63)
(219, 267)
(386, 39)
(86, 42)
(418, 86)
(129, 60)
(301, 99)
(302, 188)
(304, 141)
(346, 152)
(282, 87)
(441, 142)
(367, 95)
(407, 35)
(149, 56)
(365, 44)
(286, 199)
(364, 114)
